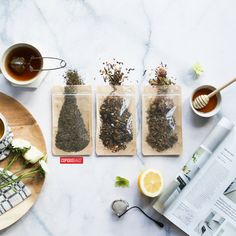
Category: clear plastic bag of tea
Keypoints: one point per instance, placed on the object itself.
(116, 121)
(72, 120)
(161, 120)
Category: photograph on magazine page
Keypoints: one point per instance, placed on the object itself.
(230, 191)
(210, 225)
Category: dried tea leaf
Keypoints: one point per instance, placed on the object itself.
(161, 77)
(116, 123)
(113, 72)
(116, 120)
(161, 124)
(160, 114)
(73, 78)
(72, 135)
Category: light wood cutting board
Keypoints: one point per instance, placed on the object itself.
(23, 126)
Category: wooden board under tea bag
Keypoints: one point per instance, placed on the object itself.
(149, 94)
(127, 92)
(83, 95)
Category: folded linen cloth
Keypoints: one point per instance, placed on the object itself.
(4, 151)
(12, 195)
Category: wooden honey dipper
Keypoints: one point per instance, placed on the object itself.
(202, 100)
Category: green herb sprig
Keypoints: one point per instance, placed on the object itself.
(121, 182)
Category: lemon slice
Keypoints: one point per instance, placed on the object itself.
(150, 182)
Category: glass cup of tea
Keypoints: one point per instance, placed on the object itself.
(22, 64)
(3, 133)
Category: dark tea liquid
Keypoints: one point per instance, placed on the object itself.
(2, 129)
(27, 53)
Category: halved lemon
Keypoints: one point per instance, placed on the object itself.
(150, 182)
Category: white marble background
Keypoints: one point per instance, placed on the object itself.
(76, 199)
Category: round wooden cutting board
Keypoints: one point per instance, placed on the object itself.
(23, 126)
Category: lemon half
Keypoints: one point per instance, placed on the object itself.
(150, 182)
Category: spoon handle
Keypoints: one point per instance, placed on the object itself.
(222, 87)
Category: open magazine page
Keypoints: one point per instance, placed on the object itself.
(194, 165)
(207, 206)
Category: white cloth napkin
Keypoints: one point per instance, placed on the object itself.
(4, 151)
(12, 195)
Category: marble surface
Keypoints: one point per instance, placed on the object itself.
(76, 198)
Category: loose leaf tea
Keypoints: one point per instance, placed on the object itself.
(161, 124)
(116, 120)
(73, 78)
(161, 77)
(116, 129)
(160, 114)
(72, 135)
(113, 74)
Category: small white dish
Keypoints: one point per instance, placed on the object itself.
(210, 113)
(4, 67)
(38, 78)
(5, 125)
(34, 84)
(6, 139)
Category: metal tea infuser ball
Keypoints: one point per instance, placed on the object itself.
(121, 207)
(19, 64)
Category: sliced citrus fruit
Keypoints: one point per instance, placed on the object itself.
(150, 182)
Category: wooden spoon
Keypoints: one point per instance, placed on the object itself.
(202, 100)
